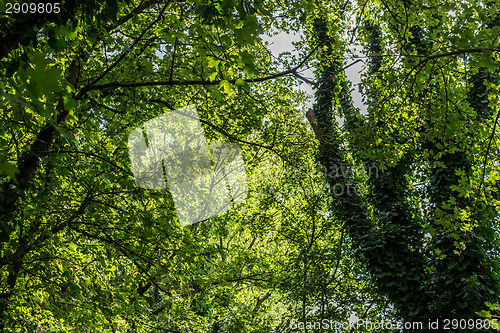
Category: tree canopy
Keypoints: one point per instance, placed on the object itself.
(388, 216)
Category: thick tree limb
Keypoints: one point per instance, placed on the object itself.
(260, 301)
(31, 161)
(311, 117)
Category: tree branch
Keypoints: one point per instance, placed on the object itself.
(260, 301)
(113, 65)
(93, 86)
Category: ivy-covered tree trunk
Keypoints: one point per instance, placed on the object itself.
(388, 241)
(425, 279)
(464, 279)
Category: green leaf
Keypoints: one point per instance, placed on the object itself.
(213, 62)
(484, 314)
(57, 44)
(250, 71)
(242, 84)
(212, 76)
(7, 169)
(226, 85)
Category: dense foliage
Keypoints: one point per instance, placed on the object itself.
(390, 217)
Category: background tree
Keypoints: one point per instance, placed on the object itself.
(426, 250)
